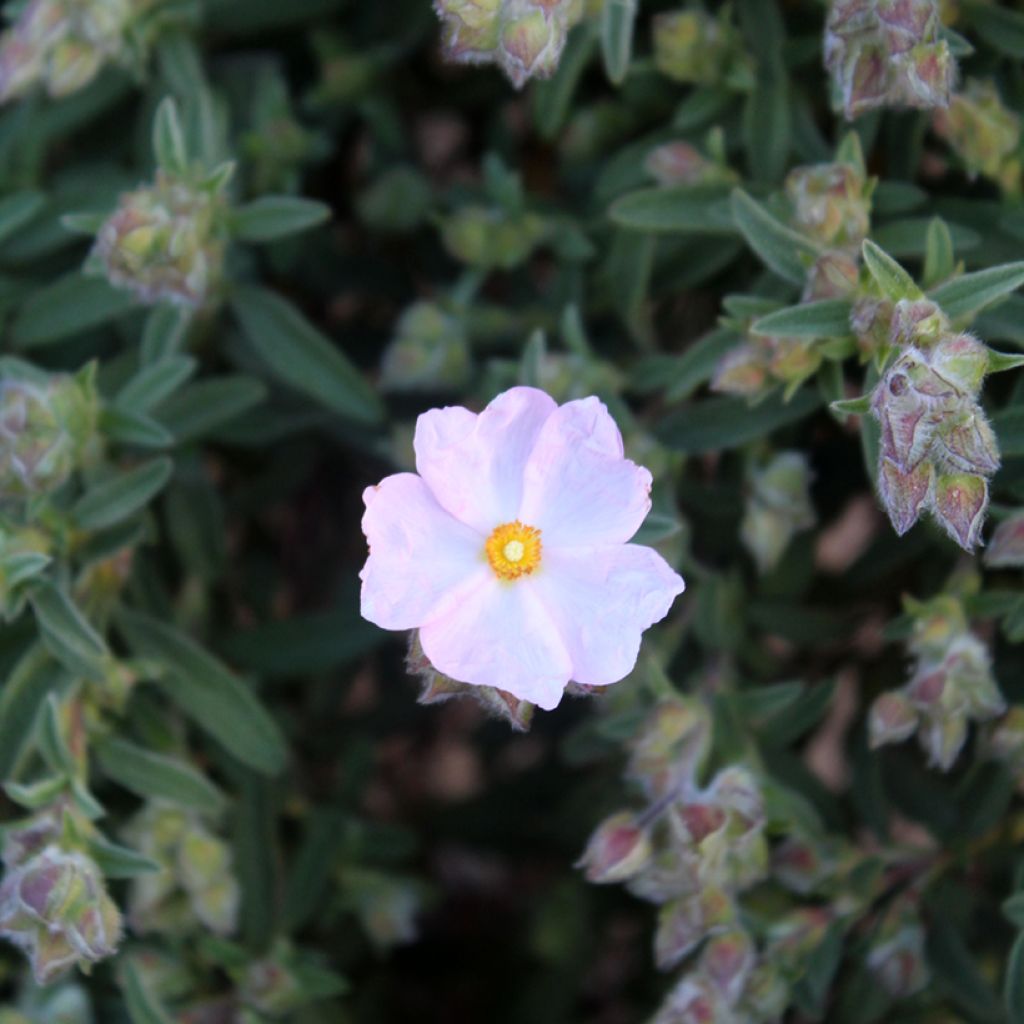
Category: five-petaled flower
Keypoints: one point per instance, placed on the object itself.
(508, 551)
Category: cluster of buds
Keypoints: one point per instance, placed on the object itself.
(984, 133)
(430, 350)
(166, 242)
(693, 46)
(63, 44)
(491, 238)
(778, 506)
(681, 163)
(53, 902)
(196, 879)
(525, 38)
(762, 362)
(937, 448)
(887, 53)
(47, 427)
(951, 685)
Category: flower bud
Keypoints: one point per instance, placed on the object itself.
(984, 133)
(55, 907)
(680, 163)
(887, 53)
(830, 204)
(917, 322)
(833, 275)
(896, 958)
(743, 370)
(904, 494)
(960, 502)
(165, 242)
(1006, 548)
(671, 746)
(892, 719)
(491, 239)
(694, 1001)
(683, 924)
(619, 849)
(871, 323)
(727, 961)
(388, 906)
(693, 46)
(430, 350)
(801, 865)
(778, 507)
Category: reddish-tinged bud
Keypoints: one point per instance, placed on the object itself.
(683, 924)
(680, 163)
(917, 322)
(897, 957)
(967, 444)
(962, 360)
(829, 204)
(727, 961)
(1006, 548)
(904, 494)
(800, 865)
(960, 503)
(833, 275)
(893, 719)
(741, 371)
(694, 1001)
(927, 688)
(618, 850)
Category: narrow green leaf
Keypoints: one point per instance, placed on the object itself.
(957, 973)
(121, 496)
(908, 238)
(70, 306)
(217, 700)
(299, 355)
(67, 634)
(51, 741)
(1000, 361)
(166, 327)
(154, 382)
(1013, 909)
(767, 126)
(679, 209)
(716, 424)
(274, 217)
(17, 210)
(169, 138)
(618, 19)
(939, 258)
(853, 406)
(827, 318)
(966, 295)
(203, 407)
(552, 97)
(1013, 984)
(118, 861)
(142, 1006)
(34, 675)
(779, 247)
(157, 776)
(130, 428)
(890, 277)
(1000, 27)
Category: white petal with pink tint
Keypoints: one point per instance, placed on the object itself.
(421, 558)
(601, 600)
(474, 464)
(503, 637)
(578, 489)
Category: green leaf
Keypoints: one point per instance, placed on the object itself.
(1013, 909)
(155, 382)
(169, 139)
(957, 973)
(217, 700)
(121, 496)
(827, 318)
(894, 282)
(273, 217)
(203, 407)
(821, 967)
(678, 209)
(779, 247)
(716, 424)
(908, 239)
(164, 334)
(34, 675)
(130, 428)
(853, 406)
(618, 19)
(52, 745)
(966, 295)
(552, 98)
(67, 634)
(1000, 27)
(761, 703)
(70, 306)
(998, 362)
(939, 257)
(17, 210)
(118, 861)
(767, 126)
(299, 355)
(142, 1006)
(1013, 983)
(158, 776)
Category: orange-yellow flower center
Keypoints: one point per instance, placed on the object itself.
(513, 550)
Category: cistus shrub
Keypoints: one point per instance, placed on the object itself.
(511, 511)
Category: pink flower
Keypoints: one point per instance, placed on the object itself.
(508, 551)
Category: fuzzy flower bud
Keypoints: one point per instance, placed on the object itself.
(778, 507)
(684, 923)
(55, 907)
(897, 957)
(693, 46)
(45, 429)
(833, 275)
(525, 38)
(1006, 548)
(831, 203)
(892, 719)
(430, 350)
(492, 239)
(165, 242)
(680, 163)
(887, 53)
(619, 849)
(984, 133)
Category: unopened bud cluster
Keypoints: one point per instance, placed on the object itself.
(984, 133)
(53, 901)
(491, 238)
(63, 44)
(694, 46)
(429, 351)
(951, 685)
(165, 242)
(682, 163)
(887, 53)
(778, 506)
(937, 449)
(763, 362)
(196, 880)
(525, 38)
(46, 429)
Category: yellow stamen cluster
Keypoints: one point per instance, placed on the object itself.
(513, 550)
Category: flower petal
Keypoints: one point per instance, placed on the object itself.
(474, 464)
(502, 637)
(601, 599)
(578, 488)
(421, 558)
